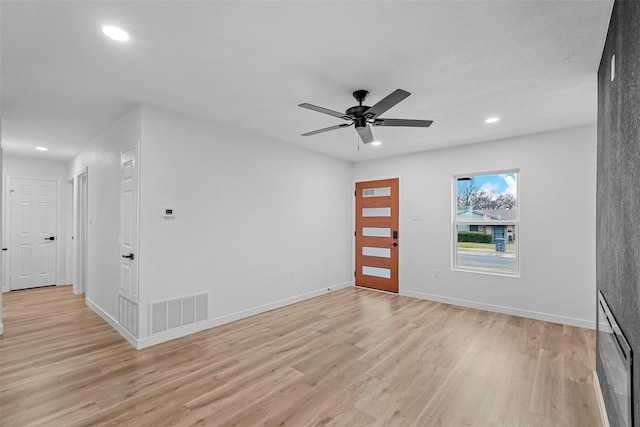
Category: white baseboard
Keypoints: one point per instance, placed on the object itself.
(603, 409)
(113, 322)
(588, 324)
(228, 318)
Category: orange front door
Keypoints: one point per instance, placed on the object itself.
(377, 239)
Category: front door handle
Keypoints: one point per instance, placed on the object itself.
(130, 256)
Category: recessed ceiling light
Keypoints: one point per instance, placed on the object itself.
(115, 33)
(376, 143)
(492, 120)
(42, 149)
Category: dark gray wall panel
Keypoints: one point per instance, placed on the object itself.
(618, 188)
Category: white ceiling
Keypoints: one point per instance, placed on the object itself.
(249, 64)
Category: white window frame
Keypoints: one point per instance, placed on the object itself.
(455, 222)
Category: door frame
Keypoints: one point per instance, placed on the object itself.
(80, 232)
(353, 224)
(7, 227)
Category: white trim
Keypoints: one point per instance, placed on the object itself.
(79, 286)
(488, 222)
(1, 328)
(138, 148)
(6, 239)
(67, 253)
(603, 409)
(228, 318)
(488, 273)
(113, 322)
(547, 317)
(494, 172)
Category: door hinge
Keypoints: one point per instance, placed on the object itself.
(355, 193)
(354, 234)
(354, 273)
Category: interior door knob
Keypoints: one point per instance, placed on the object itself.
(393, 244)
(130, 256)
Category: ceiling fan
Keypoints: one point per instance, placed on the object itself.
(364, 116)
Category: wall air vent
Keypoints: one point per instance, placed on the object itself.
(177, 312)
(128, 315)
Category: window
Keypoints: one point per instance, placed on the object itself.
(486, 223)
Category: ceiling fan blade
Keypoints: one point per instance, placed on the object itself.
(365, 134)
(325, 111)
(386, 103)
(403, 122)
(343, 125)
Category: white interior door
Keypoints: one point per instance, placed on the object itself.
(33, 249)
(129, 225)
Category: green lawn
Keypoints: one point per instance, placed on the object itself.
(485, 247)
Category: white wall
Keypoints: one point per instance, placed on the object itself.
(248, 212)
(102, 161)
(556, 198)
(18, 167)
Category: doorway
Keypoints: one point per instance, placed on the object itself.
(80, 236)
(33, 233)
(376, 235)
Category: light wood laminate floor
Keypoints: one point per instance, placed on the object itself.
(350, 358)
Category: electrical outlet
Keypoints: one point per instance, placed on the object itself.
(292, 274)
(436, 274)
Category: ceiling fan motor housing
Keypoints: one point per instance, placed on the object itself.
(360, 122)
(357, 113)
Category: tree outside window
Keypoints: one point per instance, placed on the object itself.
(486, 222)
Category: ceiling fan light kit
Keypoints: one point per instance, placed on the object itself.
(363, 116)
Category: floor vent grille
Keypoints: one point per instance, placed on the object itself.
(174, 313)
(128, 315)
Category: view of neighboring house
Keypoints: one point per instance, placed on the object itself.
(467, 217)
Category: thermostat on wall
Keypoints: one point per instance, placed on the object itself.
(167, 212)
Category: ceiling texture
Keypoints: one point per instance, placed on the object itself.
(248, 65)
